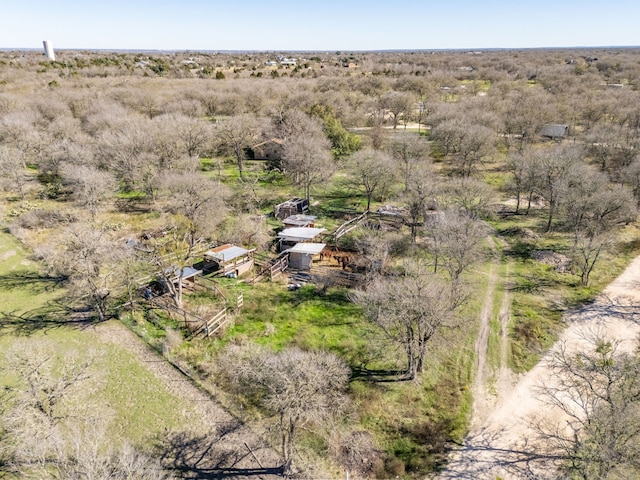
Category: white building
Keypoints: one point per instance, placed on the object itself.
(48, 50)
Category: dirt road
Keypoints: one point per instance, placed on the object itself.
(505, 445)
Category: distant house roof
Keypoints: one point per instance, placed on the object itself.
(300, 234)
(307, 248)
(226, 252)
(277, 141)
(554, 130)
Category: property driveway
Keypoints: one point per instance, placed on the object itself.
(505, 443)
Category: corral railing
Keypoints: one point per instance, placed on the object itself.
(349, 225)
(271, 267)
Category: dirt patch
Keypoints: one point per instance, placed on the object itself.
(7, 255)
(558, 261)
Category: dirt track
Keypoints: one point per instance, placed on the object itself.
(505, 445)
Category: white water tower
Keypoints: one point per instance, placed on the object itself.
(48, 50)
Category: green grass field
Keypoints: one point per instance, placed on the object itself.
(140, 406)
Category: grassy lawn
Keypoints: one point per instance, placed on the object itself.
(139, 405)
(22, 286)
(410, 420)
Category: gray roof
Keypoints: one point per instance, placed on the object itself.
(554, 130)
(299, 220)
(228, 253)
(308, 248)
(187, 272)
(300, 234)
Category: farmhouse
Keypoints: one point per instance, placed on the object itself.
(231, 259)
(270, 149)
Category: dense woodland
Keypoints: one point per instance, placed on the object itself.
(118, 168)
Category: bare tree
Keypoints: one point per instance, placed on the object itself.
(588, 246)
(198, 206)
(631, 176)
(471, 196)
(91, 186)
(307, 157)
(555, 164)
(176, 135)
(235, 134)
(476, 143)
(598, 391)
(411, 151)
(525, 173)
(455, 242)
(197, 199)
(410, 310)
(592, 203)
(13, 171)
(52, 425)
(373, 171)
(420, 196)
(298, 388)
(88, 259)
(120, 151)
(397, 105)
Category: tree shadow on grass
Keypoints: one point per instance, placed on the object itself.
(379, 375)
(53, 315)
(31, 282)
(220, 454)
(532, 284)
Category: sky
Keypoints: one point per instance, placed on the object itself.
(312, 25)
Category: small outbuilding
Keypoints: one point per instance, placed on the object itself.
(554, 131)
(231, 259)
(300, 221)
(291, 207)
(290, 236)
(179, 275)
(301, 255)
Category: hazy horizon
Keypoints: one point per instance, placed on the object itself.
(288, 25)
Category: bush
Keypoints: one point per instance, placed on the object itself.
(44, 219)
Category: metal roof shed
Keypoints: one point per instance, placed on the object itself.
(231, 258)
(300, 221)
(184, 273)
(291, 236)
(301, 255)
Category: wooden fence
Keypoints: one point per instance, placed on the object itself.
(271, 268)
(349, 225)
